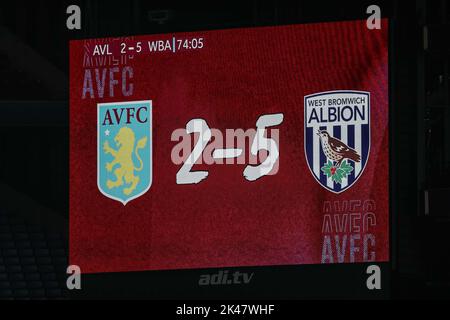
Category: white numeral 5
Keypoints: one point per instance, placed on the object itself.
(252, 173)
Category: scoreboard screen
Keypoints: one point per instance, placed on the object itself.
(243, 147)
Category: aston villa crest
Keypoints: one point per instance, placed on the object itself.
(124, 162)
(337, 137)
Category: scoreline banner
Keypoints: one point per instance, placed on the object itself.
(242, 147)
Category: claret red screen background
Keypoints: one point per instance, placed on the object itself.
(238, 75)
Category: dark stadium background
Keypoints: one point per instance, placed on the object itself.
(34, 140)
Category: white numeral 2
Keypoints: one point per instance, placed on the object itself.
(185, 175)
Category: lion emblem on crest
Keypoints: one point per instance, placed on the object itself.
(123, 157)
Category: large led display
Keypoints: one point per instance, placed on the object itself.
(242, 147)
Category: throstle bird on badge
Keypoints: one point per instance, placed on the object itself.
(335, 149)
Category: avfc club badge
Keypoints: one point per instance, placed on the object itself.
(124, 161)
(337, 137)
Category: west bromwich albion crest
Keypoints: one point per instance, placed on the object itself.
(337, 137)
(124, 162)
